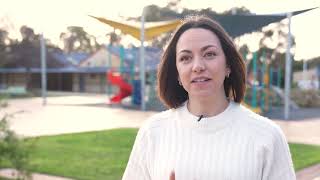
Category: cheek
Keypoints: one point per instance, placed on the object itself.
(179, 70)
(182, 73)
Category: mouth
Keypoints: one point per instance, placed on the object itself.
(200, 80)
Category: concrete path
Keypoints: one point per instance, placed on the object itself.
(306, 131)
(11, 174)
(81, 113)
(310, 173)
(68, 115)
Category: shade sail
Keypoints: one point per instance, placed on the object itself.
(150, 32)
(235, 25)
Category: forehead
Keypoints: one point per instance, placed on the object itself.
(197, 38)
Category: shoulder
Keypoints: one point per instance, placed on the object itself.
(158, 121)
(262, 128)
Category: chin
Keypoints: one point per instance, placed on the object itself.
(202, 94)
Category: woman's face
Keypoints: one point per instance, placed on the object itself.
(201, 63)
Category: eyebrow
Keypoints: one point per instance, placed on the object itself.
(206, 47)
(202, 49)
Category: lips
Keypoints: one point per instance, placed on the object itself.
(200, 79)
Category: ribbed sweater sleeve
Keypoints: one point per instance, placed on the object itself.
(277, 160)
(137, 165)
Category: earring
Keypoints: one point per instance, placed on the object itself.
(179, 82)
(228, 73)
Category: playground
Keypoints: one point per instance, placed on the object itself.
(128, 81)
(129, 97)
(123, 84)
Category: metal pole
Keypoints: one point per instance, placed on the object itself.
(142, 62)
(270, 87)
(254, 86)
(264, 69)
(43, 70)
(288, 71)
(304, 71)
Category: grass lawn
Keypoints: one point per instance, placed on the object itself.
(103, 154)
(304, 155)
(87, 156)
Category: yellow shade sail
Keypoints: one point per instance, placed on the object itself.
(150, 32)
(154, 31)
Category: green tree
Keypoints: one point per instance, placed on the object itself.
(238, 10)
(76, 39)
(311, 63)
(26, 53)
(6, 43)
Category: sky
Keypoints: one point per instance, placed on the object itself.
(53, 17)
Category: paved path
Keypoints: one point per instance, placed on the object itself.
(310, 173)
(305, 132)
(11, 173)
(78, 113)
(68, 115)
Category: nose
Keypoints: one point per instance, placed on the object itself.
(198, 65)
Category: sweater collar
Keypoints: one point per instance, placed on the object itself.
(213, 123)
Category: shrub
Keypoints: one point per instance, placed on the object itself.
(306, 98)
(14, 151)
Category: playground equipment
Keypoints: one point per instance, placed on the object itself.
(256, 97)
(117, 77)
(124, 74)
(125, 78)
(125, 89)
(263, 85)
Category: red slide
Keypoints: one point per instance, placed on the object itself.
(125, 89)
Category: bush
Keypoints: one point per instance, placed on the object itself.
(3, 101)
(14, 151)
(306, 98)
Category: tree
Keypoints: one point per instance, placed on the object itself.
(4, 41)
(113, 38)
(238, 10)
(311, 63)
(76, 39)
(274, 44)
(6, 44)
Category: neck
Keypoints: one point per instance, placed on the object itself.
(206, 106)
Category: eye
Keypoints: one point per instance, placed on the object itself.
(210, 55)
(184, 58)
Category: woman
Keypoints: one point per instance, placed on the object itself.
(206, 134)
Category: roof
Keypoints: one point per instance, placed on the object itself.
(70, 59)
(57, 70)
(130, 57)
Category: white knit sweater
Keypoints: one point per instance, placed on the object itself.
(237, 144)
